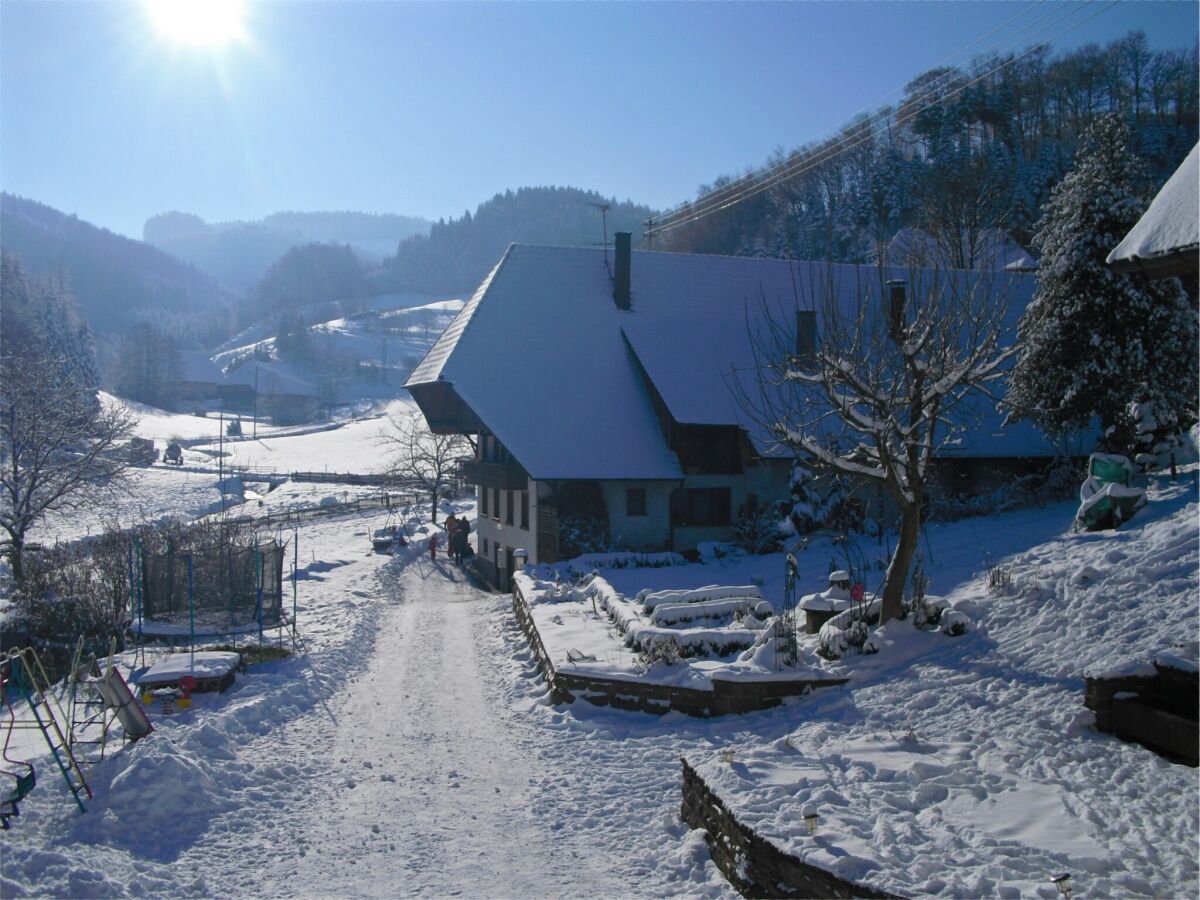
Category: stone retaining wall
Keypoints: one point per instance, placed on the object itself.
(1158, 711)
(725, 697)
(752, 864)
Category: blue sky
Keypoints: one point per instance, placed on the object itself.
(429, 109)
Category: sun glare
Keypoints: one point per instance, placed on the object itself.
(209, 22)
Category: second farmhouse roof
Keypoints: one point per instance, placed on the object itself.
(1166, 239)
(544, 359)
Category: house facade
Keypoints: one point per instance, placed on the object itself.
(610, 398)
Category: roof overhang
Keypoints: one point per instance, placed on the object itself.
(1179, 263)
(444, 410)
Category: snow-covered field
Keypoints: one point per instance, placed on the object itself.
(411, 747)
(353, 447)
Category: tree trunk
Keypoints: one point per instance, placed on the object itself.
(433, 506)
(898, 569)
(17, 546)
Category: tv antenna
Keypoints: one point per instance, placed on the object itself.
(604, 207)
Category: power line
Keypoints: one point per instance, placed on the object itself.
(931, 89)
(755, 183)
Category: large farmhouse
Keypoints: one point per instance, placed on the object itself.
(602, 390)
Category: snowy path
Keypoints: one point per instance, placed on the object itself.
(437, 794)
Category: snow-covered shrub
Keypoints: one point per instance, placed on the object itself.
(578, 535)
(71, 592)
(1057, 481)
(999, 579)
(928, 612)
(757, 534)
(955, 623)
(662, 650)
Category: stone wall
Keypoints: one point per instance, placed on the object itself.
(752, 864)
(1158, 711)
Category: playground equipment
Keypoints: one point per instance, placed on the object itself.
(205, 583)
(390, 536)
(21, 771)
(102, 697)
(22, 677)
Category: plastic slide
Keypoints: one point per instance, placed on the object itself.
(117, 696)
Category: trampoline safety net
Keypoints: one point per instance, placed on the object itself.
(223, 585)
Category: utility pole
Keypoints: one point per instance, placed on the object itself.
(256, 401)
(649, 223)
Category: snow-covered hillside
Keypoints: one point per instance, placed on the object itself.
(386, 341)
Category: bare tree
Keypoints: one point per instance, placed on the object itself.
(888, 382)
(419, 455)
(60, 447)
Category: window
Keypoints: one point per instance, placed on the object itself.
(483, 501)
(508, 507)
(701, 506)
(525, 510)
(496, 504)
(484, 550)
(635, 502)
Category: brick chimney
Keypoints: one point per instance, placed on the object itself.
(621, 269)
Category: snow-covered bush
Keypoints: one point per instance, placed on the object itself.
(662, 650)
(578, 535)
(928, 611)
(757, 534)
(1056, 482)
(847, 632)
(71, 592)
(955, 623)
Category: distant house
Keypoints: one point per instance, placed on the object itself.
(271, 389)
(1165, 242)
(199, 378)
(603, 402)
(988, 249)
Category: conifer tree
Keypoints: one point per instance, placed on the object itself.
(1093, 342)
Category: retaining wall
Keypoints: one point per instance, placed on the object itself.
(725, 697)
(751, 863)
(1158, 711)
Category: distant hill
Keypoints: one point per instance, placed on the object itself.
(116, 281)
(456, 255)
(238, 254)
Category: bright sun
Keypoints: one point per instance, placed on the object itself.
(210, 22)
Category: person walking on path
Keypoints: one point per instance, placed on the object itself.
(451, 529)
(460, 539)
(433, 539)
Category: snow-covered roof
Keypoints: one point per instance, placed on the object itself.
(1167, 236)
(194, 365)
(993, 250)
(544, 358)
(272, 378)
